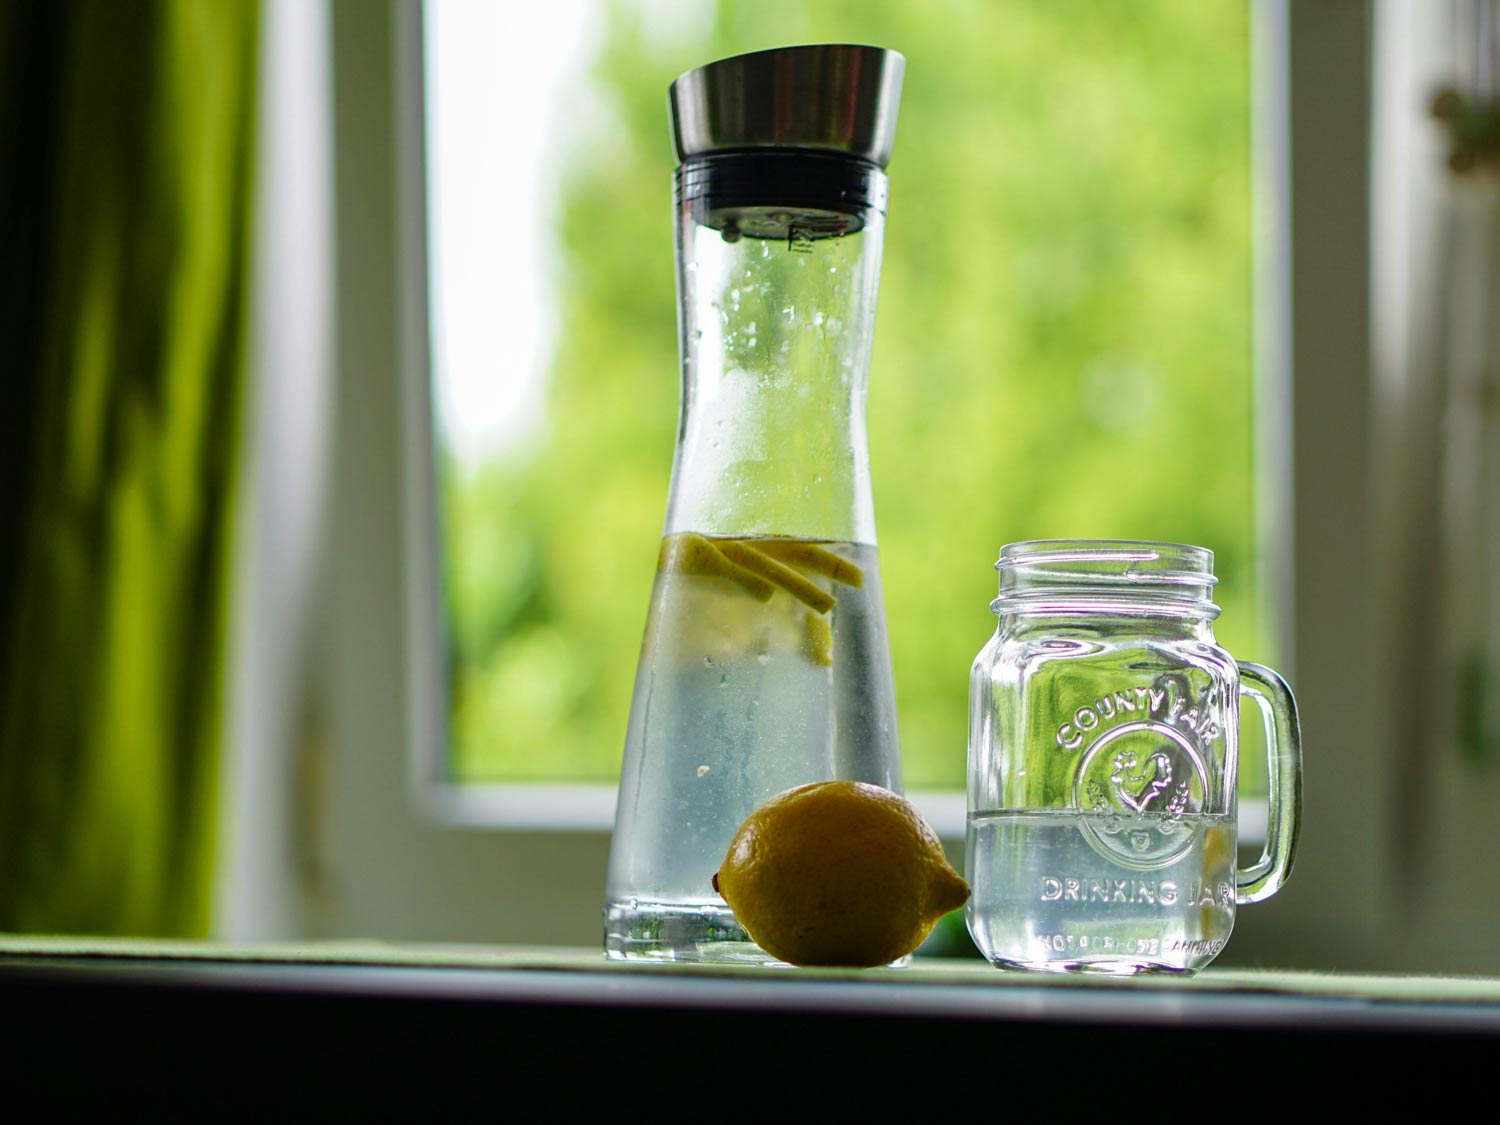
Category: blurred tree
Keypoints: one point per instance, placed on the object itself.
(1063, 350)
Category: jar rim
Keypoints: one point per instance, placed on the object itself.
(1073, 575)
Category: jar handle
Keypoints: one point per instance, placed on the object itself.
(1270, 693)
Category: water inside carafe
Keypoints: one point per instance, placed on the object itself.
(765, 665)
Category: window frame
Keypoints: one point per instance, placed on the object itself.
(405, 857)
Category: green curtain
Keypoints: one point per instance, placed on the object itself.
(126, 138)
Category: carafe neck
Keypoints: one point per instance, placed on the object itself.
(778, 266)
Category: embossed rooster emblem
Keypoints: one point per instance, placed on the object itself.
(1137, 785)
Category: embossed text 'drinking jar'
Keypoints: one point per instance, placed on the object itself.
(1103, 763)
(765, 663)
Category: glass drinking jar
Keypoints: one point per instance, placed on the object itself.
(1103, 764)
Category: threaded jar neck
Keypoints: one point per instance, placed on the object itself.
(1106, 576)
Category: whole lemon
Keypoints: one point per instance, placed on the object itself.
(838, 873)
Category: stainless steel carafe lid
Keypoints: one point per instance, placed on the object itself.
(829, 97)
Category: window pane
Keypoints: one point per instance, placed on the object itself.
(1063, 345)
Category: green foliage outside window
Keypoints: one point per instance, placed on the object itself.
(1063, 349)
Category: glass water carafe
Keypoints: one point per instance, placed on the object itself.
(765, 663)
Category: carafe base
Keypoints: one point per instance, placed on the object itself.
(635, 930)
(685, 933)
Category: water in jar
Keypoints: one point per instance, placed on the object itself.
(1051, 891)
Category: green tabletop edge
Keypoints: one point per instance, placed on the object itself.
(921, 972)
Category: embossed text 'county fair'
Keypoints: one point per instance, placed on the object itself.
(1110, 708)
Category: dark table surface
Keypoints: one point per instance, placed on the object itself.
(370, 1030)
